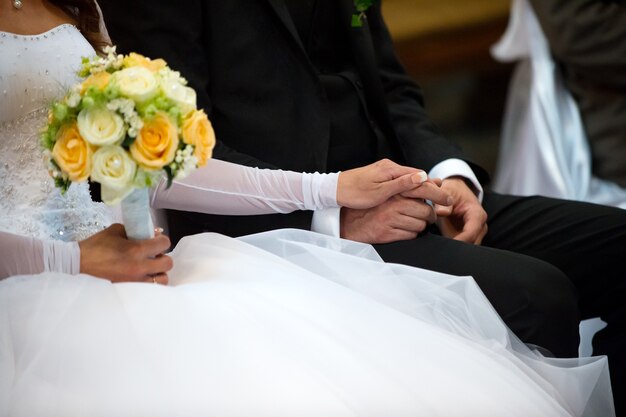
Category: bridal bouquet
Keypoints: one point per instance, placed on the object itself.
(130, 121)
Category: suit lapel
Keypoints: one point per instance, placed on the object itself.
(281, 11)
(367, 67)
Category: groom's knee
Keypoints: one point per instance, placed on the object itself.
(546, 312)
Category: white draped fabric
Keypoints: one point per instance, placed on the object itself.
(285, 323)
(543, 149)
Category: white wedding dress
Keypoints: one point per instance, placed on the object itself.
(286, 323)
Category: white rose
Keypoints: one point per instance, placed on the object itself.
(183, 96)
(137, 83)
(100, 126)
(115, 170)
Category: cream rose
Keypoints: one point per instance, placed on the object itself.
(137, 83)
(198, 131)
(183, 96)
(156, 142)
(115, 170)
(72, 154)
(101, 126)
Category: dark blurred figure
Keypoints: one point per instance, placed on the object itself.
(588, 41)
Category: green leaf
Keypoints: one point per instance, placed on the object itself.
(356, 21)
(128, 140)
(363, 5)
(48, 137)
(170, 175)
(63, 184)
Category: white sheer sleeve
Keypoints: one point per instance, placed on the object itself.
(26, 255)
(225, 188)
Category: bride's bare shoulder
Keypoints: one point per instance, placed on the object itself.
(32, 17)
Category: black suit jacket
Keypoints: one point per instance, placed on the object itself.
(263, 93)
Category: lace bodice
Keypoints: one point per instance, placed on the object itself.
(33, 71)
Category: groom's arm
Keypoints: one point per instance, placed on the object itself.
(422, 144)
(174, 32)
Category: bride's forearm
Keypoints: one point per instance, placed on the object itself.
(225, 188)
(23, 255)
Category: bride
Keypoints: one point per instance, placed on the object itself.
(286, 323)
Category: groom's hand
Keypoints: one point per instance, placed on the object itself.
(401, 217)
(110, 255)
(465, 219)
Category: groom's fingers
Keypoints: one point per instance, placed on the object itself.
(429, 191)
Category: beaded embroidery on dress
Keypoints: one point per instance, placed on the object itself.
(30, 204)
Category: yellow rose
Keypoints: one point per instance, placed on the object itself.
(136, 83)
(181, 95)
(156, 142)
(72, 153)
(98, 80)
(137, 60)
(115, 170)
(101, 126)
(198, 131)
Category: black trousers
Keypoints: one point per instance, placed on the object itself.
(545, 264)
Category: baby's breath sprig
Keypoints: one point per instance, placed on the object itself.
(126, 107)
(184, 162)
(111, 62)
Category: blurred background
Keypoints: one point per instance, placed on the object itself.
(444, 45)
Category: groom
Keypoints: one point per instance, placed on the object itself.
(309, 85)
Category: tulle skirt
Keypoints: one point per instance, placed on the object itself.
(286, 323)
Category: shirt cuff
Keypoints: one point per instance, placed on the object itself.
(326, 221)
(454, 167)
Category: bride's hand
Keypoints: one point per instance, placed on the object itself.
(110, 255)
(373, 184)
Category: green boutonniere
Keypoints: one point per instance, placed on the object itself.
(361, 6)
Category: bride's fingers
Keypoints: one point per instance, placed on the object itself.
(153, 247)
(160, 264)
(391, 170)
(403, 184)
(161, 279)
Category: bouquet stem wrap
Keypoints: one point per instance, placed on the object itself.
(136, 215)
